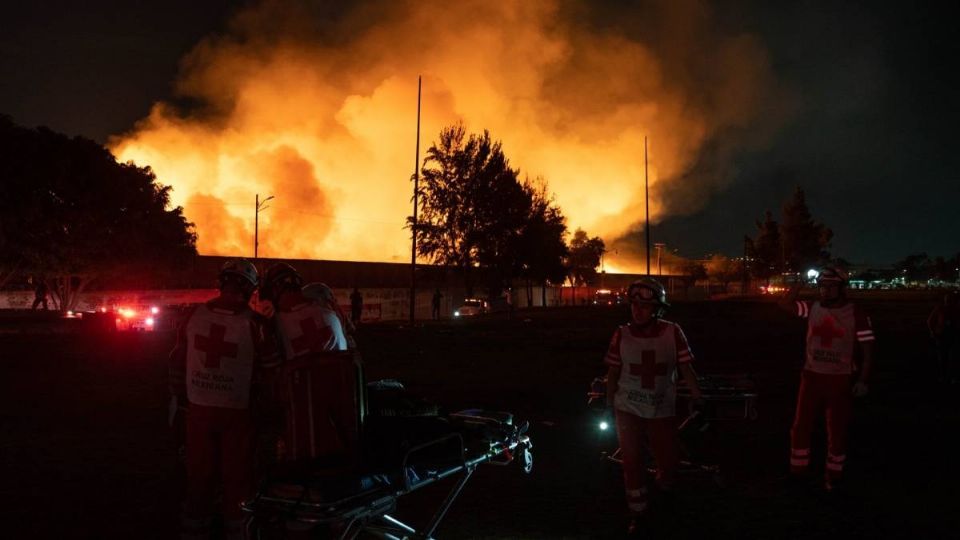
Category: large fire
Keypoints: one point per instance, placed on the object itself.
(317, 107)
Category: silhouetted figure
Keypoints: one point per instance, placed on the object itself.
(437, 295)
(944, 325)
(356, 306)
(40, 294)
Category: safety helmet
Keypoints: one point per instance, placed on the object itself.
(240, 272)
(278, 278)
(649, 291)
(320, 291)
(833, 274)
(241, 268)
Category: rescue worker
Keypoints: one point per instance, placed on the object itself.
(643, 360)
(303, 324)
(323, 293)
(838, 334)
(220, 348)
(356, 306)
(40, 293)
(944, 326)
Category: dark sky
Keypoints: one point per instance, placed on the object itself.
(871, 143)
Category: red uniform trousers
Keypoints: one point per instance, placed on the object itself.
(660, 435)
(819, 392)
(220, 443)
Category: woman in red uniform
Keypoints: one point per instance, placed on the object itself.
(643, 361)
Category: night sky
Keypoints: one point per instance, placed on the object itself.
(871, 142)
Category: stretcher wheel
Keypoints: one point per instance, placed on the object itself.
(526, 460)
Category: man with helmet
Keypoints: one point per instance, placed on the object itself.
(837, 368)
(323, 293)
(221, 347)
(643, 360)
(304, 325)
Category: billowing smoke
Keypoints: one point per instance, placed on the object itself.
(316, 105)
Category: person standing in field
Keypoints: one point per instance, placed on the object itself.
(837, 367)
(643, 361)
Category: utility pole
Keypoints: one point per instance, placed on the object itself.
(646, 194)
(413, 225)
(659, 246)
(256, 223)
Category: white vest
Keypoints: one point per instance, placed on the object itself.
(648, 375)
(220, 357)
(308, 328)
(831, 336)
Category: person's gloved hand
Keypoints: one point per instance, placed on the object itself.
(860, 389)
(266, 308)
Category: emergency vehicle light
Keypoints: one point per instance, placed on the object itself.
(604, 426)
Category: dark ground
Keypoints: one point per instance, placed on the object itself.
(85, 453)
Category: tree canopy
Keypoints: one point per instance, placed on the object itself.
(585, 253)
(475, 212)
(72, 213)
(805, 241)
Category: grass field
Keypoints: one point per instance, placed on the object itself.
(86, 452)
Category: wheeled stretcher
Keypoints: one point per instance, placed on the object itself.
(354, 485)
(725, 397)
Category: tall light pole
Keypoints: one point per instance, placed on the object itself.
(646, 194)
(413, 225)
(659, 246)
(260, 205)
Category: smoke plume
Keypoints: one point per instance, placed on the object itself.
(316, 105)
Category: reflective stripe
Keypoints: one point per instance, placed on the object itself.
(800, 451)
(637, 507)
(866, 338)
(799, 462)
(636, 492)
(802, 309)
(834, 466)
(837, 459)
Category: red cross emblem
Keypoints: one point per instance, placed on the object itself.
(215, 346)
(648, 369)
(313, 337)
(827, 330)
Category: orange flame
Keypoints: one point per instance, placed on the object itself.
(324, 120)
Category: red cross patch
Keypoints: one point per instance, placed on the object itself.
(827, 330)
(648, 369)
(215, 346)
(313, 337)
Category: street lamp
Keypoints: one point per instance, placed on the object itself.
(260, 205)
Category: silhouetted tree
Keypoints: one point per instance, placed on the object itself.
(77, 214)
(691, 271)
(916, 267)
(476, 213)
(724, 270)
(804, 241)
(543, 248)
(584, 258)
(766, 249)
